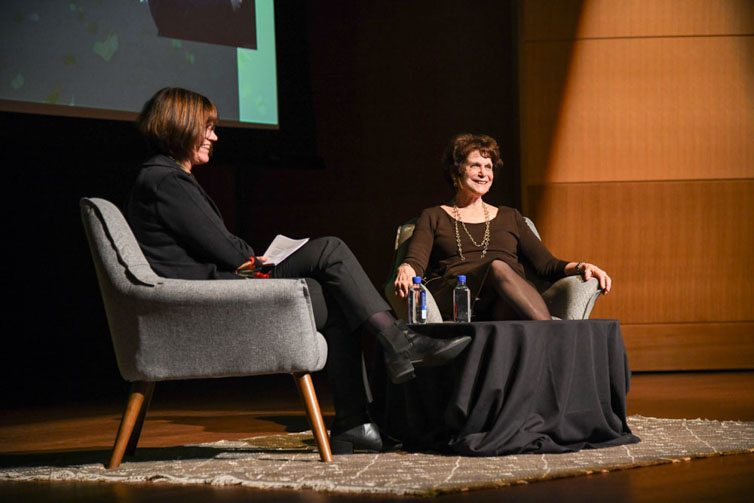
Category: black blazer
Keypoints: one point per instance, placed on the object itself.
(179, 227)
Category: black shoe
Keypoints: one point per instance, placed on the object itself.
(427, 351)
(397, 360)
(404, 348)
(363, 438)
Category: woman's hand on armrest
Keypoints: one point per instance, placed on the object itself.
(403, 280)
(588, 271)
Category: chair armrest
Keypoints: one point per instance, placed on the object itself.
(572, 298)
(217, 328)
(400, 306)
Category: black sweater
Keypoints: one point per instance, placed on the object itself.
(179, 227)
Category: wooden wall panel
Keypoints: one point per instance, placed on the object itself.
(636, 125)
(705, 346)
(678, 252)
(644, 110)
(550, 20)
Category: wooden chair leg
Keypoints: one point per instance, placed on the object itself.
(134, 439)
(314, 414)
(130, 418)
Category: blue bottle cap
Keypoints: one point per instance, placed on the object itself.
(417, 280)
(462, 278)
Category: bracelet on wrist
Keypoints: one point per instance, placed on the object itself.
(579, 270)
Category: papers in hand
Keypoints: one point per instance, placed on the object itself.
(281, 248)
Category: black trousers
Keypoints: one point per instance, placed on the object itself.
(343, 298)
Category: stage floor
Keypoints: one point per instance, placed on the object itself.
(205, 411)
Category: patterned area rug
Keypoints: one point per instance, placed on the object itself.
(288, 461)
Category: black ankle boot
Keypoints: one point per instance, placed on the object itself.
(430, 352)
(395, 347)
(405, 349)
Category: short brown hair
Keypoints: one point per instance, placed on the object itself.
(459, 149)
(175, 120)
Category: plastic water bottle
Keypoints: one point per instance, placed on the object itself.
(417, 302)
(461, 301)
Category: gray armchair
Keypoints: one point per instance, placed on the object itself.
(167, 329)
(569, 298)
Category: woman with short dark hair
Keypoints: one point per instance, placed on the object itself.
(175, 120)
(483, 242)
(183, 236)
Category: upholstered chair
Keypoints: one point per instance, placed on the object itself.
(168, 329)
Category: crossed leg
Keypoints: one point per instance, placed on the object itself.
(515, 295)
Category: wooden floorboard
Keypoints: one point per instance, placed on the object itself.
(194, 412)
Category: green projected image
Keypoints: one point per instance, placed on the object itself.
(87, 55)
(257, 82)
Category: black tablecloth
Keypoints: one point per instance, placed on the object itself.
(520, 387)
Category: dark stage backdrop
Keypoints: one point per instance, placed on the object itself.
(390, 83)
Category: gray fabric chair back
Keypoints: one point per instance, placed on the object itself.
(120, 266)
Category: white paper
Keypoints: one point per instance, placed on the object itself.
(281, 248)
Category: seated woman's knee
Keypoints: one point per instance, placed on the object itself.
(334, 248)
(329, 242)
(501, 270)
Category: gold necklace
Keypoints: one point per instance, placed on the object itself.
(485, 241)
